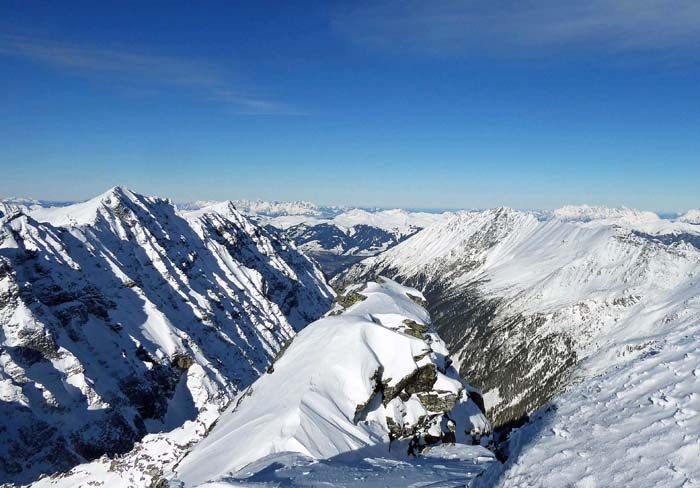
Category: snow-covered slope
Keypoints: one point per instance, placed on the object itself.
(357, 380)
(636, 424)
(121, 317)
(521, 300)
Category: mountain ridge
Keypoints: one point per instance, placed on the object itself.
(194, 308)
(557, 290)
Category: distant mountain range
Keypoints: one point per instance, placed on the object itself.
(335, 237)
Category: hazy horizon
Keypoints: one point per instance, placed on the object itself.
(661, 213)
(379, 104)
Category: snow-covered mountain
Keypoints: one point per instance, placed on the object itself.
(354, 235)
(122, 317)
(368, 378)
(264, 209)
(635, 424)
(691, 217)
(342, 405)
(587, 213)
(522, 300)
(335, 237)
(28, 204)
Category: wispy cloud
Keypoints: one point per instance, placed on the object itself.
(203, 79)
(514, 27)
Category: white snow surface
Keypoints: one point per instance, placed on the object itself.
(309, 404)
(636, 424)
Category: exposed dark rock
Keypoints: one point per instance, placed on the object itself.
(159, 483)
(361, 410)
(420, 380)
(437, 403)
(418, 300)
(478, 400)
(350, 299)
(182, 361)
(36, 345)
(415, 329)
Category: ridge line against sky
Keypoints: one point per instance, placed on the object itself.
(24, 200)
(460, 104)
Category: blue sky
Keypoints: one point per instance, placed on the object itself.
(415, 104)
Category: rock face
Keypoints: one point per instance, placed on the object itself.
(521, 299)
(121, 316)
(374, 376)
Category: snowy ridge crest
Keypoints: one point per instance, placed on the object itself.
(371, 374)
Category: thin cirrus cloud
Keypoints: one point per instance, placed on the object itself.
(202, 79)
(669, 28)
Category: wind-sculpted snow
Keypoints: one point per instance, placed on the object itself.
(365, 379)
(636, 424)
(522, 300)
(121, 317)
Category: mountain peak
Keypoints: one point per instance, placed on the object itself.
(84, 213)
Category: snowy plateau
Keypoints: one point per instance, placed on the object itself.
(153, 345)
